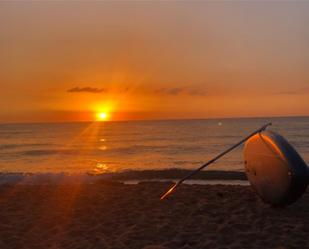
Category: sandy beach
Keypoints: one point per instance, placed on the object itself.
(114, 215)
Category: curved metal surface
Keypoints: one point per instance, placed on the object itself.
(274, 169)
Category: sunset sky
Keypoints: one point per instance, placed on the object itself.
(67, 61)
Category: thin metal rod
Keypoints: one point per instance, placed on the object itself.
(212, 161)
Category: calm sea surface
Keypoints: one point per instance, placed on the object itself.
(116, 146)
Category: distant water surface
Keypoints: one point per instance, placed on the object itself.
(116, 146)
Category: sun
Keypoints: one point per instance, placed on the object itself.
(103, 111)
(102, 116)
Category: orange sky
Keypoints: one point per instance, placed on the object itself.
(63, 61)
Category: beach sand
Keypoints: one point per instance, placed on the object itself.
(114, 215)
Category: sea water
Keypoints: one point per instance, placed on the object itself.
(101, 147)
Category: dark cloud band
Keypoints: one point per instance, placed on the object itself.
(182, 90)
(86, 90)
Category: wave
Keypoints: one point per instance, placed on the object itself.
(140, 175)
(129, 150)
(14, 146)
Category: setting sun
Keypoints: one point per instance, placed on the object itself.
(102, 116)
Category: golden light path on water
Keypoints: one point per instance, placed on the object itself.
(84, 143)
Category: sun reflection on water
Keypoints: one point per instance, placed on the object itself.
(102, 147)
(101, 168)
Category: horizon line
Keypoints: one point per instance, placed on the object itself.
(153, 120)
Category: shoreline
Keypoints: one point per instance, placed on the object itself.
(124, 176)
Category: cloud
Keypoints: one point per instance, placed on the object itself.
(170, 91)
(299, 91)
(86, 89)
(182, 91)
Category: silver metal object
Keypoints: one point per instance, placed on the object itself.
(274, 168)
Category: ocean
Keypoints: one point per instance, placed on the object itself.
(104, 147)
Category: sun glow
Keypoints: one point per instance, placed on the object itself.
(102, 116)
(103, 111)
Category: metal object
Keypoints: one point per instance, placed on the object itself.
(274, 169)
(212, 161)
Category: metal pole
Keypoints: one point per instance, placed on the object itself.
(212, 161)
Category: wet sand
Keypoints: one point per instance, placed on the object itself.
(114, 215)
